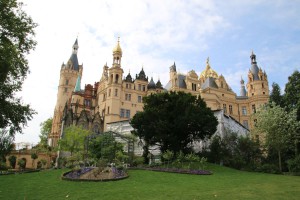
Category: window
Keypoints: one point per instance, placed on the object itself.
(139, 87)
(245, 123)
(87, 102)
(67, 81)
(253, 108)
(262, 85)
(230, 109)
(127, 113)
(122, 113)
(107, 109)
(117, 78)
(66, 89)
(104, 97)
(116, 92)
(251, 86)
(140, 99)
(224, 108)
(222, 84)
(128, 97)
(144, 88)
(244, 110)
(109, 92)
(194, 87)
(127, 85)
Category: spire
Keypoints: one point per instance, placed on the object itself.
(243, 89)
(117, 48)
(173, 67)
(254, 68)
(151, 84)
(77, 86)
(117, 54)
(75, 46)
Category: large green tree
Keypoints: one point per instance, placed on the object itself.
(275, 95)
(278, 127)
(6, 144)
(74, 139)
(173, 121)
(16, 41)
(45, 130)
(292, 93)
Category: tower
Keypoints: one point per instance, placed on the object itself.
(257, 79)
(110, 96)
(69, 74)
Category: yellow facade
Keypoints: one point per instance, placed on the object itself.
(115, 99)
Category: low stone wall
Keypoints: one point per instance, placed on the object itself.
(27, 155)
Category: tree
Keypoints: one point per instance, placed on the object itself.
(45, 130)
(105, 147)
(34, 156)
(16, 41)
(12, 161)
(73, 139)
(6, 144)
(278, 127)
(292, 93)
(173, 121)
(275, 95)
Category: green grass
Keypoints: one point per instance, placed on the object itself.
(225, 183)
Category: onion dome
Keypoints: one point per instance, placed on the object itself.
(208, 72)
(117, 48)
(151, 84)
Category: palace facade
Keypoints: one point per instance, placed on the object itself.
(117, 97)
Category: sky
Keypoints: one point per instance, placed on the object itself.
(154, 34)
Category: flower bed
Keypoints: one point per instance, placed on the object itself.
(91, 174)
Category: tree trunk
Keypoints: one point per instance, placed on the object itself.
(279, 161)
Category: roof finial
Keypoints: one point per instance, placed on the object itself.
(207, 62)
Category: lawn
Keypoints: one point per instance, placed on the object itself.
(225, 183)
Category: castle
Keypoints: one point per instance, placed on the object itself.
(114, 98)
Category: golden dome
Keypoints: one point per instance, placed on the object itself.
(117, 48)
(208, 72)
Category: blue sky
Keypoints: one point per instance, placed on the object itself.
(154, 34)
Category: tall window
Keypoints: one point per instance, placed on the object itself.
(230, 109)
(87, 102)
(122, 113)
(144, 88)
(109, 92)
(244, 110)
(107, 109)
(140, 99)
(116, 92)
(139, 87)
(66, 89)
(128, 97)
(127, 113)
(67, 81)
(194, 87)
(224, 108)
(245, 123)
(253, 108)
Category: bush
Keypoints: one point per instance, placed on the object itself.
(294, 164)
(22, 163)
(3, 166)
(269, 168)
(12, 161)
(39, 165)
(137, 161)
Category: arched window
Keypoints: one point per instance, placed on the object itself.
(117, 78)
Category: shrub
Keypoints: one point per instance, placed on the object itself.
(22, 163)
(12, 161)
(269, 168)
(137, 161)
(44, 162)
(294, 164)
(39, 165)
(3, 166)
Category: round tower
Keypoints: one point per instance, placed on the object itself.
(68, 76)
